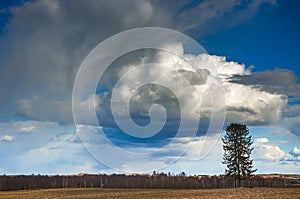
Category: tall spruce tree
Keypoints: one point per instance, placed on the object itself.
(237, 150)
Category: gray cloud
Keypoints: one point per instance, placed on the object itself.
(44, 44)
(282, 81)
(277, 77)
(278, 81)
(211, 16)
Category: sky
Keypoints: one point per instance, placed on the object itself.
(136, 116)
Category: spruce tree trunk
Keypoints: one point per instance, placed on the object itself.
(239, 182)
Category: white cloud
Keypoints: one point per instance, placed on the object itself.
(225, 68)
(296, 152)
(262, 140)
(7, 138)
(26, 127)
(244, 103)
(251, 105)
(266, 150)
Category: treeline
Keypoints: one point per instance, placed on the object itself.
(156, 180)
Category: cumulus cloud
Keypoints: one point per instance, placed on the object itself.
(252, 105)
(266, 150)
(295, 151)
(247, 102)
(7, 138)
(47, 51)
(279, 82)
(244, 103)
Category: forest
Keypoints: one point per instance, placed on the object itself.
(144, 181)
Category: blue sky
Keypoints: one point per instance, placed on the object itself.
(253, 45)
(268, 40)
